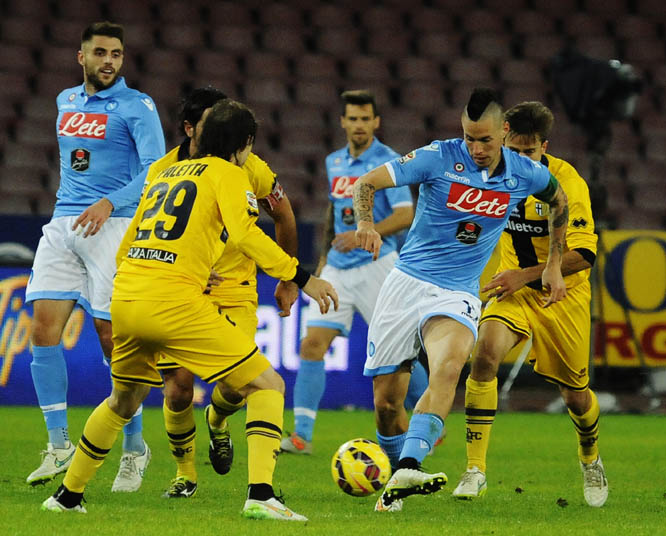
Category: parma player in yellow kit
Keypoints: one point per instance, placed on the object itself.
(235, 295)
(186, 216)
(560, 333)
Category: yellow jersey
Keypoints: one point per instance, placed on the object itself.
(239, 272)
(525, 239)
(188, 212)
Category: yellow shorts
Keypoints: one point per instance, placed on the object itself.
(560, 334)
(191, 334)
(243, 314)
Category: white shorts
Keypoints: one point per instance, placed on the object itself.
(357, 290)
(70, 267)
(403, 306)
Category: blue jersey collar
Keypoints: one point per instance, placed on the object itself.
(365, 155)
(119, 85)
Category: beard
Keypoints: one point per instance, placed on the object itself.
(95, 81)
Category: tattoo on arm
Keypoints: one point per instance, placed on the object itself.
(558, 220)
(364, 198)
(329, 230)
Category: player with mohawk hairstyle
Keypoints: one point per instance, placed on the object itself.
(468, 188)
(560, 352)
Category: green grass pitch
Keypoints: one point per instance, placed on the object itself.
(532, 465)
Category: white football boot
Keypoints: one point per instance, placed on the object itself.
(131, 471)
(270, 509)
(595, 484)
(54, 462)
(406, 482)
(472, 484)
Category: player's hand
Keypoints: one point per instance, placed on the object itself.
(503, 284)
(553, 282)
(323, 292)
(368, 239)
(91, 219)
(286, 293)
(344, 242)
(214, 279)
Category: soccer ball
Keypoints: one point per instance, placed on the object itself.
(360, 467)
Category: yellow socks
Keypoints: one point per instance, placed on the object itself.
(222, 408)
(181, 431)
(263, 429)
(99, 435)
(587, 428)
(480, 409)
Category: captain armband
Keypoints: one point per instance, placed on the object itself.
(549, 192)
(276, 196)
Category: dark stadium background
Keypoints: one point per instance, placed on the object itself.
(290, 60)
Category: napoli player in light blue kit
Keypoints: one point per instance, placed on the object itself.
(468, 188)
(108, 135)
(351, 270)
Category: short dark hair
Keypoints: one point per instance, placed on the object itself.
(226, 129)
(106, 28)
(358, 97)
(479, 101)
(192, 107)
(530, 118)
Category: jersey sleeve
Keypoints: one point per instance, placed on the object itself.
(146, 131)
(261, 176)
(237, 205)
(399, 197)
(413, 168)
(540, 178)
(580, 232)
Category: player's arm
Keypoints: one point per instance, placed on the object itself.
(365, 187)
(558, 219)
(328, 237)
(255, 244)
(505, 283)
(278, 207)
(400, 219)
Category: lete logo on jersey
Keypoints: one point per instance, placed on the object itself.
(82, 125)
(476, 201)
(343, 187)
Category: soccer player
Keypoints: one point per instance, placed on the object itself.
(350, 269)
(187, 215)
(468, 189)
(560, 333)
(236, 295)
(108, 135)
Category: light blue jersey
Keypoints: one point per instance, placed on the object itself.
(107, 142)
(343, 171)
(461, 212)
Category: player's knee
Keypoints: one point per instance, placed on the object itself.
(44, 334)
(485, 363)
(269, 379)
(126, 398)
(387, 407)
(277, 383)
(577, 401)
(178, 397)
(313, 348)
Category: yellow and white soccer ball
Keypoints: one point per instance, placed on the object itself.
(360, 467)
